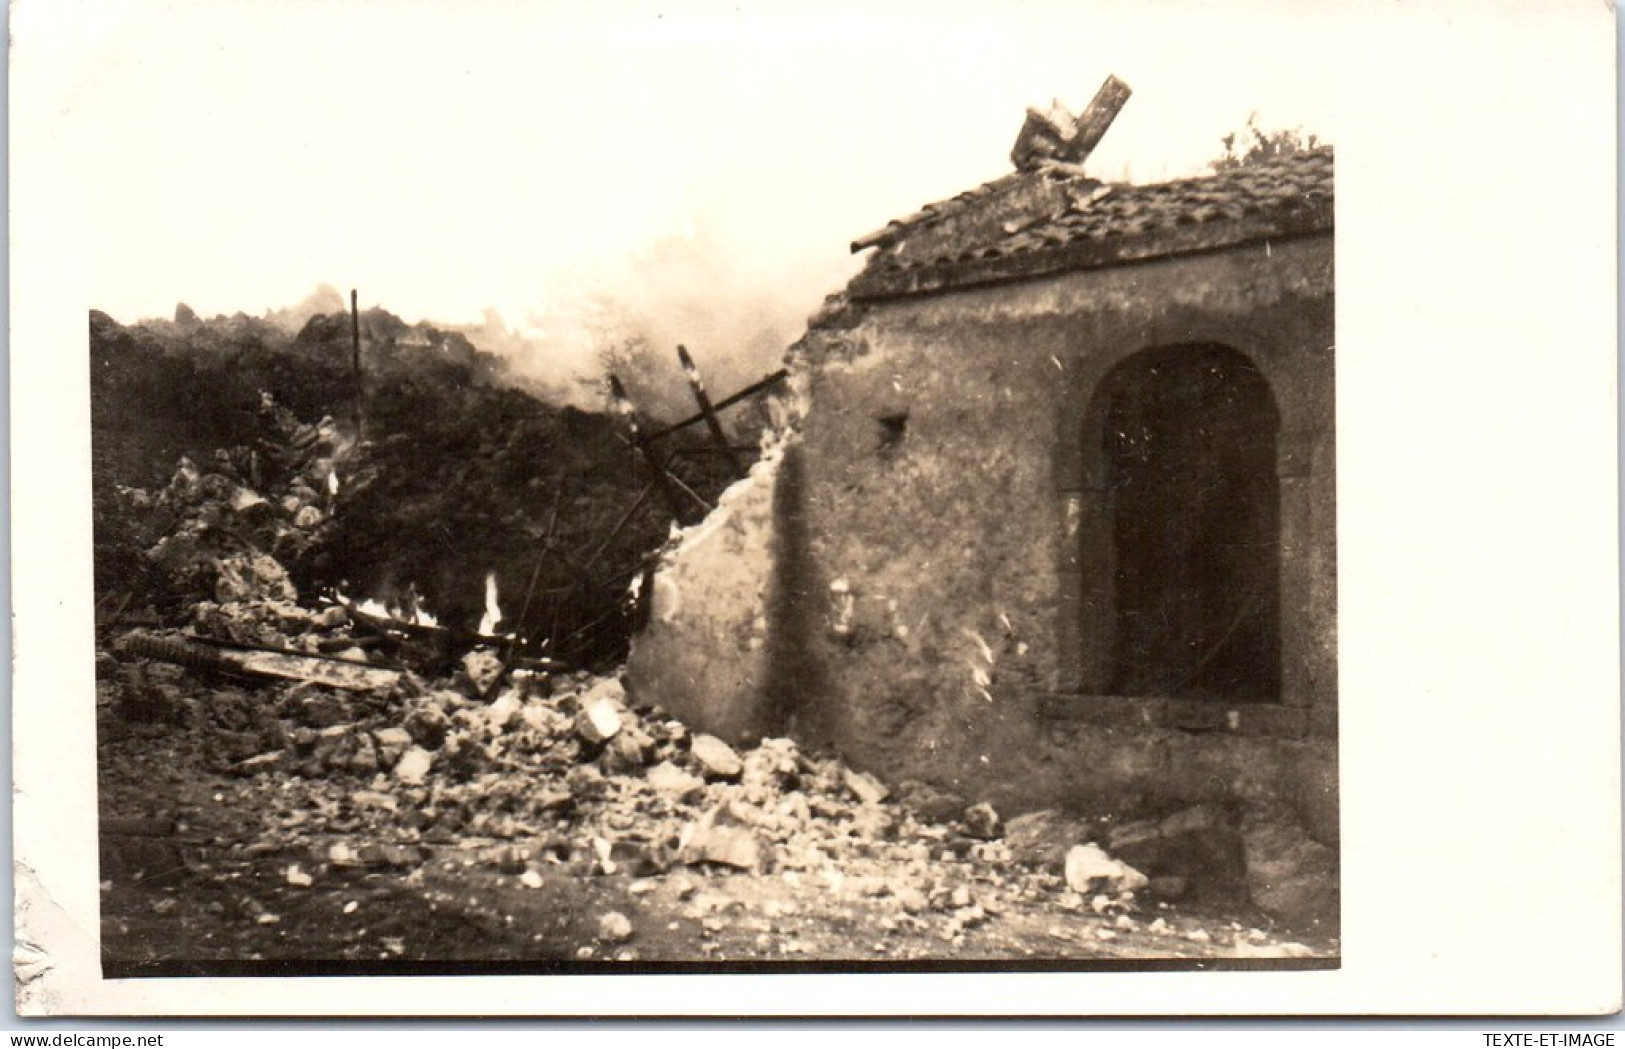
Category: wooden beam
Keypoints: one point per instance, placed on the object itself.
(624, 407)
(1097, 117)
(727, 402)
(696, 386)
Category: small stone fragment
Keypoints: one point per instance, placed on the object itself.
(981, 821)
(426, 724)
(911, 899)
(543, 719)
(609, 688)
(671, 780)
(622, 755)
(599, 720)
(297, 877)
(774, 765)
(364, 760)
(530, 879)
(864, 787)
(1090, 870)
(391, 743)
(731, 846)
(614, 927)
(483, 669)
(414, 766)
(499, 714)
(1040, 839)
(604, 850)
(716, 758)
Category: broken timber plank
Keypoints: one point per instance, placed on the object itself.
(317, 669)
(1055, 136)
(1097, 117)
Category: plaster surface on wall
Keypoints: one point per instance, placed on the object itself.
(941, 560)
(902, 580)
(703, 653)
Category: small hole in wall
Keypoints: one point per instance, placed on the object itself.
(893, 428)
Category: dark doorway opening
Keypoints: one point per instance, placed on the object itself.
(1191, 478)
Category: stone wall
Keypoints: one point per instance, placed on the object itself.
(703, 652)
(931, 611)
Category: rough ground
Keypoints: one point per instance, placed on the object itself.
(527, 841)
(394, 795)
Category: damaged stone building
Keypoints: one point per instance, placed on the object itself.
(1051, 521)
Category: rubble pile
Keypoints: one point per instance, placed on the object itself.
(580, 780)
(218, 534)
(339, 743)
(443, 475)
(568, 775)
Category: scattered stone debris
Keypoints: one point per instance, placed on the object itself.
(535, 773)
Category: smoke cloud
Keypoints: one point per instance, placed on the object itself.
(734, 313)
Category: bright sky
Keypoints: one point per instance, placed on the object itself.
(448, 157)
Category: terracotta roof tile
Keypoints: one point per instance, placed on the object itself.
(1048, 221)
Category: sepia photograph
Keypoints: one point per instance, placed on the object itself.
(691, 489)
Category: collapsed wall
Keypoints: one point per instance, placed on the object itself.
(707, 649)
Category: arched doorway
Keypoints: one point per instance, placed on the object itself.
(1190, 481)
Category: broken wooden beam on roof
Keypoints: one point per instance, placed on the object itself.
(1055, 136)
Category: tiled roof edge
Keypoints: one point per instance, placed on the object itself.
(877, 283)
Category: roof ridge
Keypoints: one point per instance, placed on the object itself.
(935, 212)
(1023, 224)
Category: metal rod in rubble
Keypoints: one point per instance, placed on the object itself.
(355, 358)
(541, 557)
